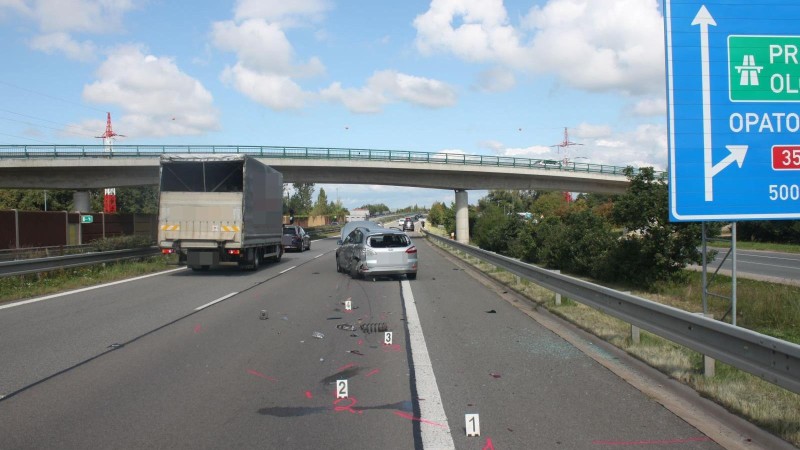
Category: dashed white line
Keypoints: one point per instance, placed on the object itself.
(216, 301)
(319, 255)
(284, 271)
(431, 409)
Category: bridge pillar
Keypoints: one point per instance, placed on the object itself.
(462, 216)
(80, 201)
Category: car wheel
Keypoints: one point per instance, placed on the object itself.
(338, 267)
(309, 246)
(411, 276)
(354, 271)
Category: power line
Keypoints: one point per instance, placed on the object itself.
(65, 125)
(50, 96)
(22, 137)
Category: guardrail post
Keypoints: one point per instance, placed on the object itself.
(709, 363)
(558, 294)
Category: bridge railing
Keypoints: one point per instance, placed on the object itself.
(98, 151)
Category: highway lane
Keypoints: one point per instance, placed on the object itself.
(222, 377)
(758, 264)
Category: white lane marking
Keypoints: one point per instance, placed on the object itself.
(319, 255)
(431, 409)
(216, 301)
(76, 291)
(290, 268)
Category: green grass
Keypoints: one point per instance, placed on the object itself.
(35, 285)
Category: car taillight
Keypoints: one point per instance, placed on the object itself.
(411, 250)
(234, 251)
(167, 251)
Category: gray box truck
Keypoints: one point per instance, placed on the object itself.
(220, 210)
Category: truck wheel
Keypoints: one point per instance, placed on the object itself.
(256, 260)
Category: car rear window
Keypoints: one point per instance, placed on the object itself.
(389, 241)
(290, 231)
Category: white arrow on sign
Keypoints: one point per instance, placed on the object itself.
(738, 152)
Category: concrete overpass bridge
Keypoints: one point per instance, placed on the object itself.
(82, 167)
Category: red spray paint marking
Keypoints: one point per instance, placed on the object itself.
(308, 394)
(348, 408)
(408, 416)
(360, 342)
(372, 373)
(663, 442)
(488, 445)
(392, 348)
(345, 367)
(260, 375)
(197, 328)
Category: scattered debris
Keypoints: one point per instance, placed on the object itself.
(285, 318)
(335, 318)
(355, 352)
(491, 311)
(317, 335)
(353, 335)
(115, 346)
(346, 326)
(264, 315)
(377, 327)
(495, 375)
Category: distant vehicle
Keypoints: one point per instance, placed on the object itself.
(373, 253)
(401, 221)
(215, 210)
(295, 237)
(408, 224)
(547, 163)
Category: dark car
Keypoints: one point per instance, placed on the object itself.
(408, 225)
(295, 237)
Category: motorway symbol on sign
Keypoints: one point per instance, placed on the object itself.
(87, 219)
(733, 74)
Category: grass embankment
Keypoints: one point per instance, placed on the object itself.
(764, 307)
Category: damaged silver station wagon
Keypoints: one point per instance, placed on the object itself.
(371, 253)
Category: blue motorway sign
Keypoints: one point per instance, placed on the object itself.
(733, 96)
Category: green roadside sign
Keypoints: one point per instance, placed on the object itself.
(87, 219)
(764, 68)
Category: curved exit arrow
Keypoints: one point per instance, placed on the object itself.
(738, 152)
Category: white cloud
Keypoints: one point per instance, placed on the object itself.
(644, 146)
(389, 86)
(651, 107)
(64, 43)
(57, 20)
(589, 131)
(589, 44)
(267, 66)
(270, 89)
(287, 13)
(157, 98)
(498, 79)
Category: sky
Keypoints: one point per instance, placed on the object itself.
(488, 77)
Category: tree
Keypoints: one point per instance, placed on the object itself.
(653, 249)
(321, 206)
(34, 199)
(301, 200)
(376, 209)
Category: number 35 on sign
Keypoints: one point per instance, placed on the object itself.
(786, 157)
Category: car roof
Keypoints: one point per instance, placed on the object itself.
(350, 226)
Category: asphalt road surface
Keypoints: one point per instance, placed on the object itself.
(185, 360)
(763, 265)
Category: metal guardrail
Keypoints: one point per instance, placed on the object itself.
(126, 151)
(771, 359)
(28, 266)
(15, 254)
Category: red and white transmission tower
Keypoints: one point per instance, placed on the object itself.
(109, 135)
(565, 145)
(110, 194)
